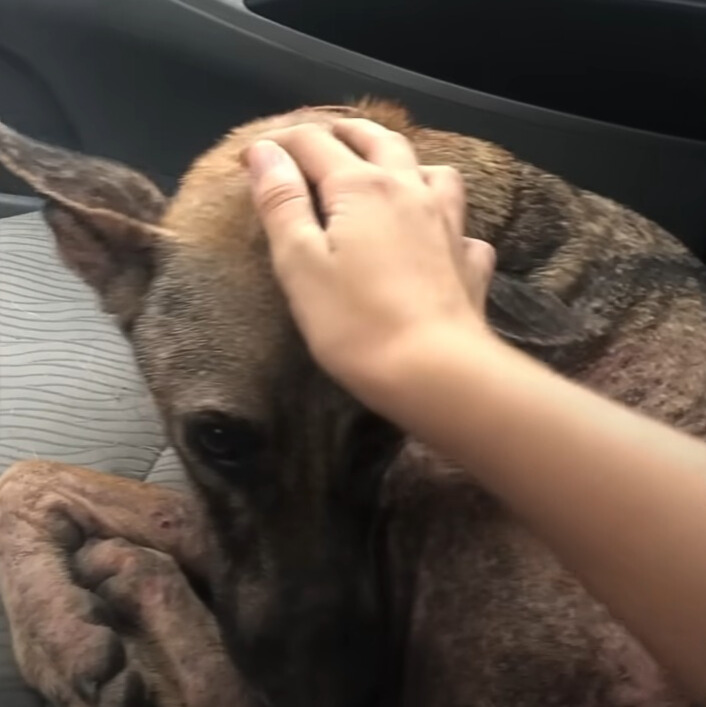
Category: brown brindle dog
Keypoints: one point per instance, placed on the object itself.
(344, 566)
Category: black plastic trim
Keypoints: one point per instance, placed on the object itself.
(662, 176)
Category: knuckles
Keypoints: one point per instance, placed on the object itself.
(279, 196)
(369, 180)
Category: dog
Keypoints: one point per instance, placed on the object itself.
(324, 558)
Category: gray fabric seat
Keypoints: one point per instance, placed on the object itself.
(69, 389)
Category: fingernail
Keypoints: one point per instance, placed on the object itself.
(264, 156)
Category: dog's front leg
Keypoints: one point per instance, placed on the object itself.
(62, 638)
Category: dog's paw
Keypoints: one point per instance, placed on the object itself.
(171, 630)
(130, 579)
(66, 649)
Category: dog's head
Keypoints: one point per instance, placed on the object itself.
(288, 465)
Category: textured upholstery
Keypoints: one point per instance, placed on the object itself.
(69, 389)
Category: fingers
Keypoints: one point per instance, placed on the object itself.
(447, 185)
(478, 257)
(281, 165)
(317, 152)
(376, 144)
(479, 266)
(282, 200)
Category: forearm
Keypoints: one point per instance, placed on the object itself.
(620, 498)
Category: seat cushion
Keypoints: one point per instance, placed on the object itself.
(69, 389)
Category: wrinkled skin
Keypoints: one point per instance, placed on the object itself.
(348, 566)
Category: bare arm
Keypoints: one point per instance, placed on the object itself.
(381, 296)
(619, 497)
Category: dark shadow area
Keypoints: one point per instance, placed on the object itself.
(637, 63)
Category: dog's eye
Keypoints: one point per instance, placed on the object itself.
(223, 441)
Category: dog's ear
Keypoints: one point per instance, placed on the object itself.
(104, 216)
(525, 315)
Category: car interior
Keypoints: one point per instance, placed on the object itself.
(606, 93)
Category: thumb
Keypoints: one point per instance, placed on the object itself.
(478, 267)
(282, 200)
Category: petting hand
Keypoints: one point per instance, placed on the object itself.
(389, 267)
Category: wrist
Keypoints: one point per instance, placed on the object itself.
(423, 363)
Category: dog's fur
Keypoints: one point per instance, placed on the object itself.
(345, 566)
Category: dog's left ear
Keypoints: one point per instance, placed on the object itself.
(104, 216)
(527, 316)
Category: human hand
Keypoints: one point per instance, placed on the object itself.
(389, 268)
